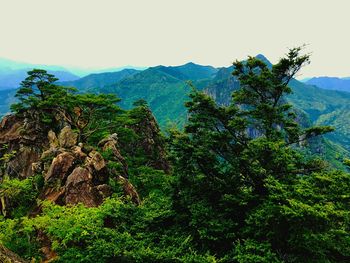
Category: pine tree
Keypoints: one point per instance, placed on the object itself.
(227, 156)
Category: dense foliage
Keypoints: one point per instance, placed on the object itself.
(240, 187)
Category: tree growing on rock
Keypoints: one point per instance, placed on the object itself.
(39, 93)
(92, 115)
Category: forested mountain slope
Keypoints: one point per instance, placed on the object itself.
(166, 90)
(98, 80)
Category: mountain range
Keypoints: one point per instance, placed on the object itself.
(13, 72)
(166, 89)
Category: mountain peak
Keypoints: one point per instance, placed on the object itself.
(261, 56)
(264, 59)
(191, 64)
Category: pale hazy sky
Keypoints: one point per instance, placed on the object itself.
(112, 33)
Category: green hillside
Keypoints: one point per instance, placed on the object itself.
(164, 93)
(325, 107)
(99, 80)
(190, 71)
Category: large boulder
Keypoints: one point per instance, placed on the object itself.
(80, 189)
(53, 140)
(96, 161)
(60, 166)
(78, 153)
(67, 138)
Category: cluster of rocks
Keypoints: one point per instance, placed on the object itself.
(72, 172)
(77, 174)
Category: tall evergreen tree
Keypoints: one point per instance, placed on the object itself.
(227, 157)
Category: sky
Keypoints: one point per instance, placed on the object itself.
(116, 33)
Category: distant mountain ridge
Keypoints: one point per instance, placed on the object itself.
(331, 83)
(190, 71)
(11, 79)
(13, 72)
(164, 87)
(98, 80)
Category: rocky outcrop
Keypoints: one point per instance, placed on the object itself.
(7, 256)
(111, 144)
(79, 175)
(72, 172)
(60, 166)
(73, 176)
(80, 188)
(150, 140)
(19, 147)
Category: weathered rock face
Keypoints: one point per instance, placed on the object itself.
(78, 153)
(60, 166)
(80, 189)
(67, 138)
(129, 190)
(19, 147)
(76, 175)
(53, 141)
(73, 176)
(10, 129)
(96, 161)
(21, 164)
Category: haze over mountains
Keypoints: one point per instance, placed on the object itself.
(13, 72)
(166, 89)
